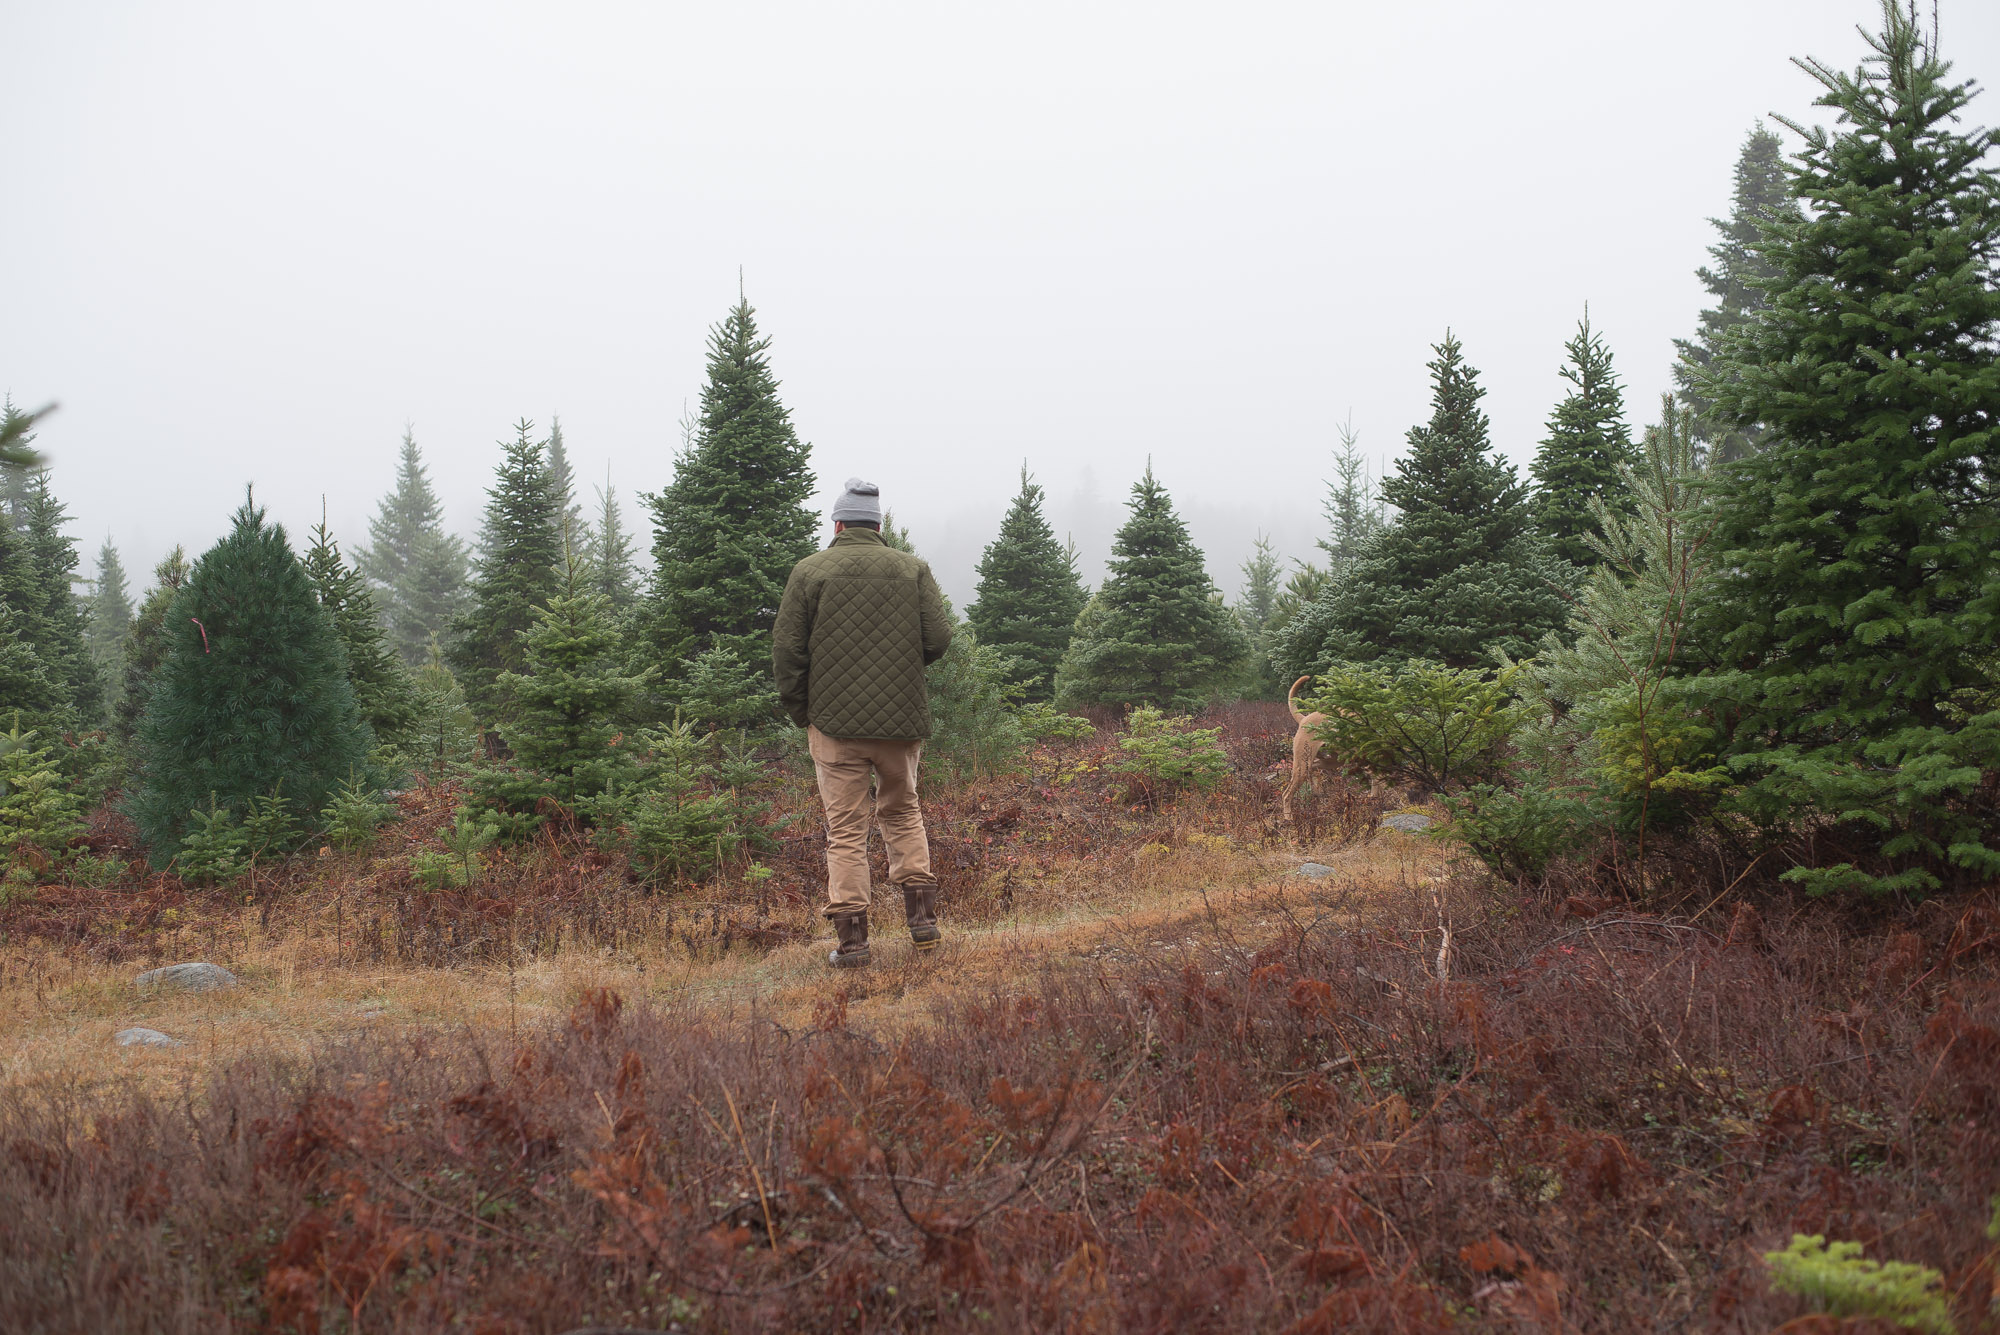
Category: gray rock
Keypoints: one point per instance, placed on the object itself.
(1409, 822)
(143, 1038)
(1313, 871)
(198, 977)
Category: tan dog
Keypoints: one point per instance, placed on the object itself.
(1310, 759)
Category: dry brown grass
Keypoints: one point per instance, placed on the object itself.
(1153, 1081)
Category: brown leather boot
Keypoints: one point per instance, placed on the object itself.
(852, 929)
(920, 911)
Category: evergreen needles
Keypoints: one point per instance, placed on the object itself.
(1858, 629)
(733, 522)
(1461, 573)
(1157, 633)
(251, 697)
(1029, 594)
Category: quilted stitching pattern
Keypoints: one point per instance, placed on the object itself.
(858, 624)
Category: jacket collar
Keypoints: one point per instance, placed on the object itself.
(857, 537)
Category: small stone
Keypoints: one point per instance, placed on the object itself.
(197, 977)
(1313, 871)
(144, 1038)
(1409, 822)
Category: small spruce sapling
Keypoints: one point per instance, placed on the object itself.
(1164, 753)
(216, 849)
(678, 828)
(39, 816)
(353, 816)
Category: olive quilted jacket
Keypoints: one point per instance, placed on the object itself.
(859, 623)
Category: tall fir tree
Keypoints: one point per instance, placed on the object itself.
(612, 572)
(1861, 615)
(18, 455)
(1161, 635)
(146, 647)
(417, 569)
(1739, 281)
(733, 522)
(1257, 608)
(520, 555)
(1352, 514)
(27, 684)
(1586, 451)
(1460, 574)
(61, 616)
(20, 462)
(252, 697)
(383, 690)
(562, 476)
(1029, 593)
(110, 621)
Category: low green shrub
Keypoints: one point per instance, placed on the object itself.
(1043, 722)
(1164, 753)
(675, 825)
(353, 816)
(96, 872)
(1517, 832)
(216, 849)
(458, 863)
(1837, 1277)
(1441, 727)
(436, 870)
(974, 730)
(39, 815)
(269, 830)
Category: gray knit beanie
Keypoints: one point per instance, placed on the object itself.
(861, 501)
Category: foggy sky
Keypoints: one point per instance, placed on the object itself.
(248, 243)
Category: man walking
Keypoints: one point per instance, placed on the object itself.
(859, 623)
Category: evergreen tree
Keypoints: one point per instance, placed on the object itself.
(24, 674)
(26, 688)
(974, 731)
(445, 737)
(17, 442)
(562, 477)
(1585, 452)
(1862, 541)
(520, 551)
(1460, 574)
(110, 621)
(418, 570)
(252, 699)
(60, 617)
(1302, 589)
(612, 572)
(568, 705)
(733, 522)
(1739, 281)
(1257, 609)
(1162, 636)
(20, 462)
(383, 691)
(146, 647)
(1029, 593)
(1352, 515)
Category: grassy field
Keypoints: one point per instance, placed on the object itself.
(1155, 1080)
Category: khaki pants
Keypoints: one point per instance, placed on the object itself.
(843, 765)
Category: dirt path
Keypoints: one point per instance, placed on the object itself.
(61, 1021)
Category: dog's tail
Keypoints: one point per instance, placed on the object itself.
(1297, 717)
